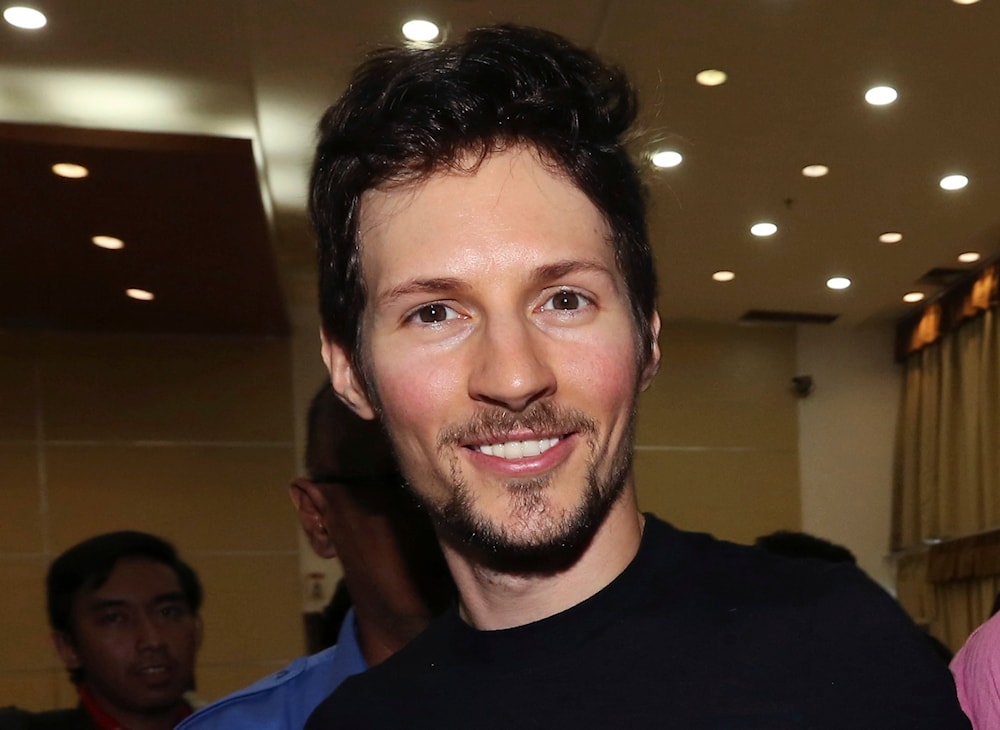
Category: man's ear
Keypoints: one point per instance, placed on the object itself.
(66, 650)
(346, 384)
(653, 363)
(311, 503)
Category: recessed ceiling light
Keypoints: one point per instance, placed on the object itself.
(666, 158)
(24, 17)
(420, 31)
(838, 282)
(70, 170)
(890, 237)
(109, 242)
(913, 296)
(815, 170)
(711, 77)
(880, 95)
(954, 182)
(141, 294)
(763, 229)
(965, 2)
(723, 276)
(969, 257)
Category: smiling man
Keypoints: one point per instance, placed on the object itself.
(488, 291)
(123, 608)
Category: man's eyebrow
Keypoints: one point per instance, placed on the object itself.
(102, 604)
(436, 285)
(560, 269)
(171, 597)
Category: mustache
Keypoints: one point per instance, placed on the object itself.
(494, 423)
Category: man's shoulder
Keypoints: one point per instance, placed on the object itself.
(278, 699)
(13, 718)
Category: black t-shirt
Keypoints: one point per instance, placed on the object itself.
(695, 633)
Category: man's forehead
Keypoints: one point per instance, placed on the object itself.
(514, 197)
(134, 578)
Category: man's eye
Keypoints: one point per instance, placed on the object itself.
(433, 313)
(565, 300)
(115, 617)
(174, 610)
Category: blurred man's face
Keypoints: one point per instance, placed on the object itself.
(135, 638)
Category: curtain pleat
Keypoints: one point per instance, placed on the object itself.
(947, 474)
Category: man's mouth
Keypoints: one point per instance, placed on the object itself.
(518, 449)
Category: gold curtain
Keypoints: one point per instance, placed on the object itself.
(947, 481)
(947, 471)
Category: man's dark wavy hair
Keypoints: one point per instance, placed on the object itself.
(411, 112)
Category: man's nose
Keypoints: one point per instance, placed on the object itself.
(149, 633)
(511, 365)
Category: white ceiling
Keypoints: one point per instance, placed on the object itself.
(798, 69)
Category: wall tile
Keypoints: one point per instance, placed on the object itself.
(20, 499)
(18, 394)
(23, 621)
(191, 389)
(33, 690)
(200, 497)
(735, 495)
(252, 608)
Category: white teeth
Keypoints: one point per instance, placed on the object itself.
(518, 449)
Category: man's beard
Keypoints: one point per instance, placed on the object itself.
(548, 543)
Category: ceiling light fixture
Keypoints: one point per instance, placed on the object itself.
(953, 182)
(141, 294)
(969, 257)
(880, 95)
(24, 17)
(109, 242)
(815, 170)
(763, 229)
(913, 296)
(838, 282)
(711, 77)
(890, 237)
(666, 158)
(70, 170)
(965, 2)
(723, 276)
(420, 31)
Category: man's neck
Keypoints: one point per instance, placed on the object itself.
(106, 716)
(492, 600)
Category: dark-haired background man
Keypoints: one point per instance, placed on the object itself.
(488, 291)
(353, 507)
(123, 608)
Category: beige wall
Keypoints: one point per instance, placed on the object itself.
(188, 438)
(847, 438)
(717, 432)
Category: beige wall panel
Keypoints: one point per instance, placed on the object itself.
(18, 394)
(20, 505)
(717, 424)
(24, 628)
(252, 608)
(134, 388)
(724, 362)
(735, 495)
(201, 497)
(32, 690)
(722, 387)
(215, 681)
